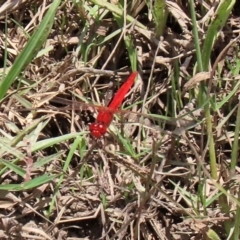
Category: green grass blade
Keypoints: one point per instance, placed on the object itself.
(234, 157)
(128, 40)
(160, 14)
(31, 49)
(18, 170)
(49, 142)
(115, 9)
(65, 168)
(38, 181)
(196, 37)
(237, 220)
(220, 17)
(27, 130)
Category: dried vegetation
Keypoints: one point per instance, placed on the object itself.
(152, 179)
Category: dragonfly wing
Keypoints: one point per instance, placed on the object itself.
(78, 105)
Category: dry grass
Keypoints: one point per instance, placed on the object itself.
(155, 178)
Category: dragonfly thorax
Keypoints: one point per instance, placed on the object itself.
(97, 129)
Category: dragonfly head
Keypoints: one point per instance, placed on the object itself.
(97, 129)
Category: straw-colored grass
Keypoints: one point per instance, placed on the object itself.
(168, 166)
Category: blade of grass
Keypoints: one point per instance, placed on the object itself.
(28, 129)
(220, 17)
(49, 142)
(64, 170)
(237, 220)
(31, 49)
(235, 148)
(33, 183)
(202, 93)
(10, 165)
(115, 9)
(128, 40)
(160, 14)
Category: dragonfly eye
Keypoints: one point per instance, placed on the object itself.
(97, 129)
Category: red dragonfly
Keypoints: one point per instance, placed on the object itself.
(105, 115)
(104, 118)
